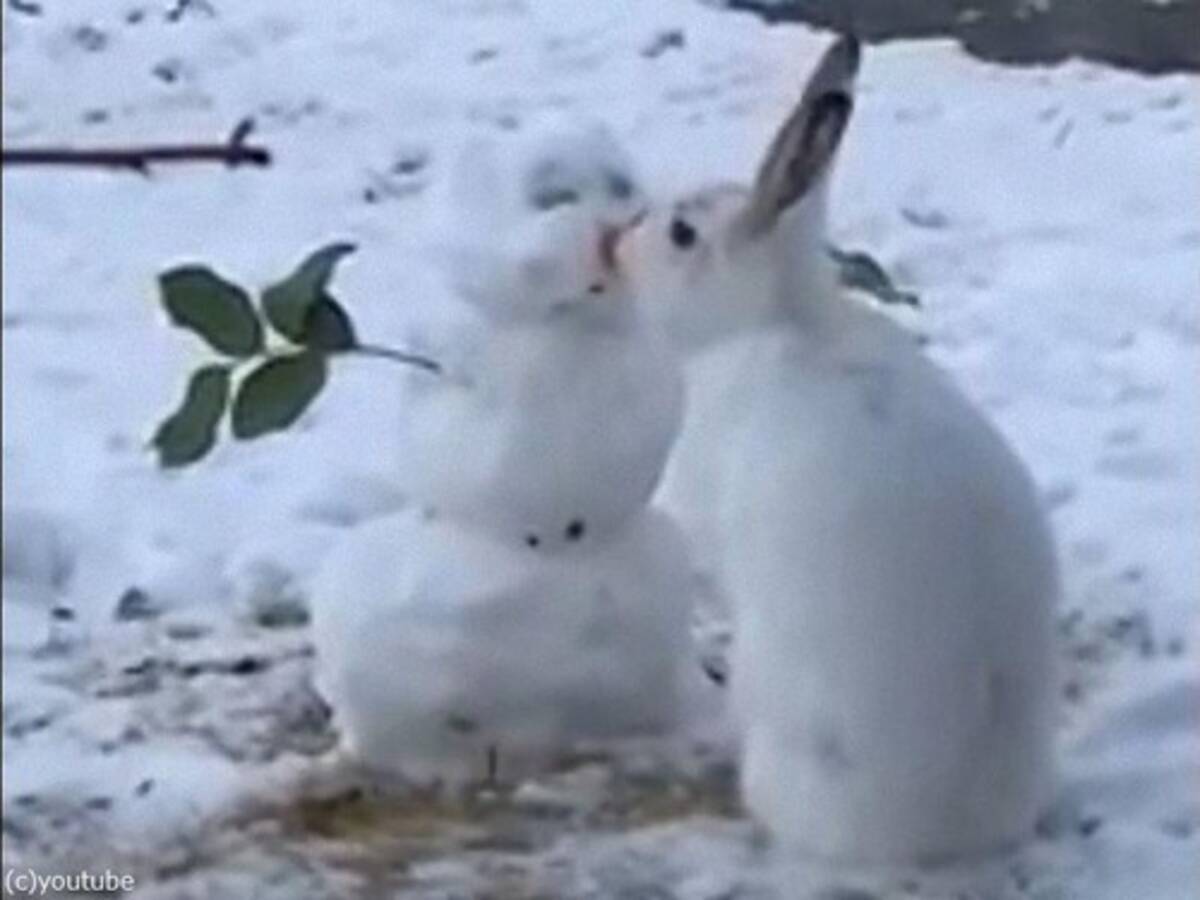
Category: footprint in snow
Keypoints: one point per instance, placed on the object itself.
(1138, 465)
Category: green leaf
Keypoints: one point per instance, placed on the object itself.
(277, 393)
(288, 303)
(191, 431)
(328, 327)
(198, 299)
(860, 270)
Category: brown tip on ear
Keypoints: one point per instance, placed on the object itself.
(836, 70)
(806, 143)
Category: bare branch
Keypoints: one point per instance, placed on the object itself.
(234, 152)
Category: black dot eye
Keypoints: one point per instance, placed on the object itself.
(620, 186)
(575, 530)
(549, 183)
(683, 235)
(532, 540)
(549, 198)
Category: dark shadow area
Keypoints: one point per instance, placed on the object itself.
(1152, 36)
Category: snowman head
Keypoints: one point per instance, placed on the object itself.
(531, 220)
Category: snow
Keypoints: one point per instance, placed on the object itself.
(1046, 216)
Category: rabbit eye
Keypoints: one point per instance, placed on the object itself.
(549, 198)
(683, 234)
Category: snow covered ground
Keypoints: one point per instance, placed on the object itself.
(155, 710)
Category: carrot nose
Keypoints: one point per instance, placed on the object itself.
(610, 237)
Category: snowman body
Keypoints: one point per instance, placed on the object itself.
(452, 657)
(562, 435)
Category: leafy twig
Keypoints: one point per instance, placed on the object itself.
(281, 383)
(861, 271)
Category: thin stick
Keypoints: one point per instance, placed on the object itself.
(234, 152)
(410, 359)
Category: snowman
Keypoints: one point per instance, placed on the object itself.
(536, 604)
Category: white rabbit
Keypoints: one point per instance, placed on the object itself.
(891, 571)
(450, 657)
(705, 286)
(571, 404)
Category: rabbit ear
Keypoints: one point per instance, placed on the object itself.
(804, 146)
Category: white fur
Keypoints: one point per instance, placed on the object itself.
(894, 581)
(703, 298)
(892, 574)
